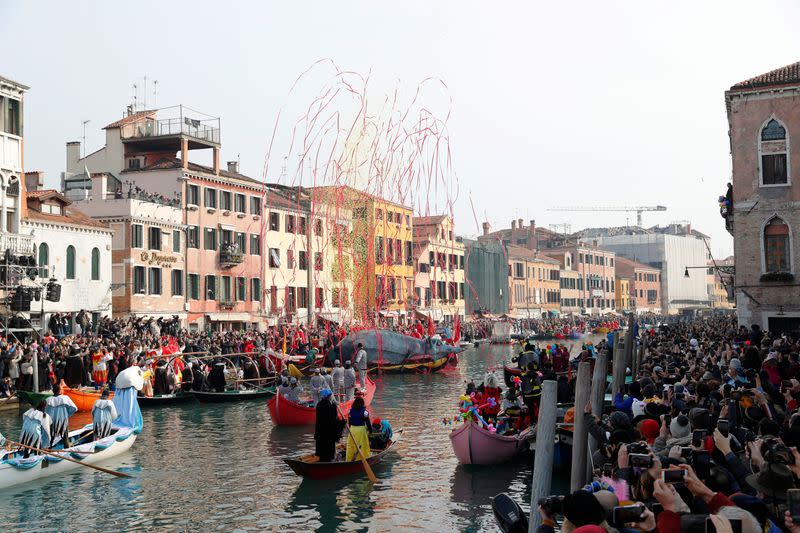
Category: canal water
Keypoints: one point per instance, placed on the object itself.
(218, 468)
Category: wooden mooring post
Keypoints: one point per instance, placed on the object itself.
(545, 450)
(579, 434)
(597, 396)
(617, 366)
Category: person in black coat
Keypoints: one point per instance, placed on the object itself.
(216, 378)
(328, 427)
(162, 382)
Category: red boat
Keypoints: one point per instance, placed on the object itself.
(286, 413)
(308, 466)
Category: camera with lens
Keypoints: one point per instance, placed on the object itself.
(552, 505)
(638, 447)
(774, 451)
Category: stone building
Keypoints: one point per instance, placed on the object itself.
(486, 273)
(533, 283)
(439, 280)
(644, 287)
(764, 129)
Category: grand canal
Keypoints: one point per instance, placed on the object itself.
(218, 468)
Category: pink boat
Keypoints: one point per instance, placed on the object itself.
(477, 446)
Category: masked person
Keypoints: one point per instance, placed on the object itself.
(328, 427)
(103, 415)
(59, 407)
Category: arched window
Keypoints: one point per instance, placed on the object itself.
(776, 246)
(44, 259)
(773, 147)
(95, 264)
(70, 262)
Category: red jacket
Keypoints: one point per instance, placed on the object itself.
(670, 522)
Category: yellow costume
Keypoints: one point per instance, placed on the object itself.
(362, 438)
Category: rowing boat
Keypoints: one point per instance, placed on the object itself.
(15, 469)
(165, 399)
(309, 465)
(474, 445)
(84, 397)
(233, 395)
(287, 413)
(33, 398)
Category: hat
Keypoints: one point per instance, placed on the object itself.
(376, 422)
(337, 363)
(657, 368)
(619, 420)
(707, 376)
(735, 364)
(773, 481)
(680, 427)
(649, 429)
(637, 408)
(582, 508)
(347, 363)
(700, 418)
(325, 393)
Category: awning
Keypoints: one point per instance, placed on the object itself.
(390, 314)
(333, 316)
(231, 317)
(435, 314)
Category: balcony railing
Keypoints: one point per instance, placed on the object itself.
(149, 127)
(230, 255)
(137, 193)
(18, 244)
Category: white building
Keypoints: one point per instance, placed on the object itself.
(671, 249)
(72, 248)
(11, 168)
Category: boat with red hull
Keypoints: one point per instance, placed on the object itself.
(287, 413)
(307, 466)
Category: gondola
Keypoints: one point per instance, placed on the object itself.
(475, 445)
(33, 398)
(286, 413)
(308, 465)
(84, 397)
(509, 373)
(238, 395)
(165, 399)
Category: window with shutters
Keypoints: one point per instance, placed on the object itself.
(210, 197)
(193, 237)
(211, 287)
(154, 281)
(176, 241)
(70, 262)
(139, 281)
(154, 238)
(194, 286)
(95, 264)
(225, 200)
(255, 205)
(776, 246)
(255, 244)
(240, 205)
(210, 242)
(255, 289)
(137, 236)
(773, 149)
(177, 283)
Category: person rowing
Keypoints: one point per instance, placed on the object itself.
(317, 384)
(337, 376)
(359, 419)
(103, 414)
(59, 407)
(349, 381)
(35, 428)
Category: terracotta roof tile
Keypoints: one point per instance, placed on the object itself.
(132, 118)
(170, 163)
(788, 75)
(44, 194)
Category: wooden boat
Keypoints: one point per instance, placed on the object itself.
(474, 445)
(84, 397)
(15, 469)
(165, 399)
(33, 398)
(308, 466)
(286, 413)
(424, 366)
(233, 395)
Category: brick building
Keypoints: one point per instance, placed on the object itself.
(764, 129)
(439, 278)
(533, 282)
(644, 285)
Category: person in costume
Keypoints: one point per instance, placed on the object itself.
(292, 393)
(100, 361)
(59, 407)
(216, 378)
(359, 437)
(381, 435)
(317, 384)
(35, 429)
(349, 381)
(163, 381)
(361, 366)
(103, 414)
(338, 379)
(328, 427)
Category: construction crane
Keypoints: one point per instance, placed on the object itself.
(627, 209)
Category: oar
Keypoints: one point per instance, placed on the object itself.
(100, 468)
(367, 468)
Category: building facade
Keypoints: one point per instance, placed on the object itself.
(533, 283)
(568, 282)
(74, 250)
(644, 285)
(595, 268)
(12, 182)
(764, 126)
(623, 293)
(439, 284)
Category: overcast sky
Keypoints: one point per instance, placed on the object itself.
(553, 103)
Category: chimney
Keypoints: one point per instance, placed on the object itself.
(520, 224)
(594, 243)
(486, 227)
(99, 186)
(689, 228)
(73, 157)
(513, 224)
(34, 180)
(233, 166)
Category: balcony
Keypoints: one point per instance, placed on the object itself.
(201, 130)
(227, 304)
(230, 256)
(17, 244)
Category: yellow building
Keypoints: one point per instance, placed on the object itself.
(380, 244)
(439, 280)
(622, 297)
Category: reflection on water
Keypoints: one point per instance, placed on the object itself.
(219, 468)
